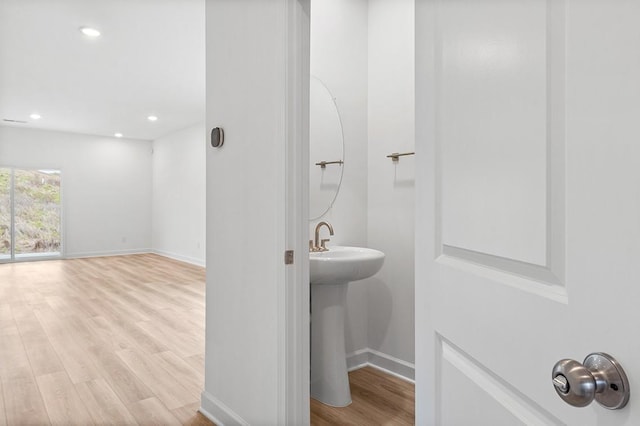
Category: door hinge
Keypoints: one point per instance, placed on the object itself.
(288, 257)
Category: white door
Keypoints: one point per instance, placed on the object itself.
(528, 205)
(257, 307)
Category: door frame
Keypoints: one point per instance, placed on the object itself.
(295, 317)
(426, 376)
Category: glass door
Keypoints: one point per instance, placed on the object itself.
(5, 214)
(30, 214)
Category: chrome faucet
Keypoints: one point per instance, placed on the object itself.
(318, 244)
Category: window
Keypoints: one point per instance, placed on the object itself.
(30, 214)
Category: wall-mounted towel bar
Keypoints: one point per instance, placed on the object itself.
(323, 164)
(395, 156)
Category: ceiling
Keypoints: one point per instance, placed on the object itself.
(149, 60)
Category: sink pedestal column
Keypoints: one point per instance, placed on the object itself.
(329, 377)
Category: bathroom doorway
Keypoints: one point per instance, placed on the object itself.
(362, 52)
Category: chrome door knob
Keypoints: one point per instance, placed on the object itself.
(599, 377)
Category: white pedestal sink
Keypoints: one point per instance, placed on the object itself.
(330, 272)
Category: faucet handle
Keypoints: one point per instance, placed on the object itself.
(322, 244)
(311, 246)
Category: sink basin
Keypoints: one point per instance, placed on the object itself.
(341, 265)
(330, 273)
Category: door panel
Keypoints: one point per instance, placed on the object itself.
(484, 395)
(528, 216)
(494, 192)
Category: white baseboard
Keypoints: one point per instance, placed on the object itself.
(357, 359)
(186, 259)
(181, 258)
(381, 361)
(216, 411)
(105, 253)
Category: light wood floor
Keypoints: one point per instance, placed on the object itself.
(120, 341)
(113, 340)
(378, 399)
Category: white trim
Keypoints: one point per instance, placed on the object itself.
(392, 373)
(358, 359)
(216, 411)
(381, 361)
(294, 364)
(179, 257)
(174, 256)
(427, 399)
(105, 253)
(554, 292)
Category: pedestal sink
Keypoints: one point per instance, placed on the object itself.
(330, 272)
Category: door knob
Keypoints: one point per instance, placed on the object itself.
(599, 377)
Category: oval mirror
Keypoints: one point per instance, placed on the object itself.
(326, 149)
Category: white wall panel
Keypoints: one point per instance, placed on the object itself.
(391, 185)
(179, 195)
(106, 186)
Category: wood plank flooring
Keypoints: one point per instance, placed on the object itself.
(120, 341)
(377, 399)
(113, 340)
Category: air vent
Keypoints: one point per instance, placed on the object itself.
(14, 121)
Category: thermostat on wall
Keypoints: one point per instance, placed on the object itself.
(217, 137)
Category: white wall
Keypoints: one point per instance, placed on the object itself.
(339, 59)
(390, 184)
(179, 197)
(256, 354)
(106, 186)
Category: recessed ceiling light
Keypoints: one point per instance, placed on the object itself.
(35, 116)
(90, 32)
(118, 135)
(152, 118)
